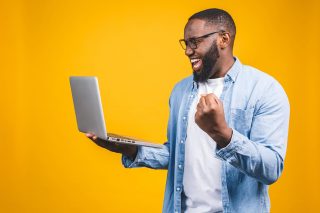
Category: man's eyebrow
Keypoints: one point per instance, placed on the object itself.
(192, 38)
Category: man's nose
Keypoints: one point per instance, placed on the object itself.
(189, 51)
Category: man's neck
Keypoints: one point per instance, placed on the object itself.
(223, 66)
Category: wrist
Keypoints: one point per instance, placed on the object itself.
(223, 137)
(131, 153)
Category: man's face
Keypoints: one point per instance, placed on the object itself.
(203, 59)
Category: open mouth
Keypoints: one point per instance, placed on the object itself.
(196, 64)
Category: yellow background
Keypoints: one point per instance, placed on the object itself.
(132, 46)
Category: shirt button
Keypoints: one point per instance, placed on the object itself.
(181, 141)
(184, 118)
(178, 189)
(179, 166)
(175, 211)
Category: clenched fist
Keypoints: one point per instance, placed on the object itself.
(210, 118)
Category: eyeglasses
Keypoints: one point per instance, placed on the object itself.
(193, 42)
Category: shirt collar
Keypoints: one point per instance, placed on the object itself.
(234, 70)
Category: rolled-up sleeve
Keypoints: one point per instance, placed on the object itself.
(156, 158)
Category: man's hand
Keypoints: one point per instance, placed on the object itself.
(125, 149)
(210, 118)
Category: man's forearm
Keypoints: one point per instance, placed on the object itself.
(252, 158)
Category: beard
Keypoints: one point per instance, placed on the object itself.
(209, 60)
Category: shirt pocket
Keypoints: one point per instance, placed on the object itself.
(241, 120)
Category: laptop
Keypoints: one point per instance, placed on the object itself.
(89, 112)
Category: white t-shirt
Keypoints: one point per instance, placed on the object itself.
(202, 170)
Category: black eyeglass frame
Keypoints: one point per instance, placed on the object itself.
(196, 40)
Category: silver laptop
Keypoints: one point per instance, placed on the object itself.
(89, 112)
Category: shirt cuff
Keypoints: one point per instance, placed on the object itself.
(129, 163)
(235, 145)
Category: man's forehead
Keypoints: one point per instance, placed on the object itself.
(197, 27)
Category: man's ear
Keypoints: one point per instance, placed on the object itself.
(225, 40)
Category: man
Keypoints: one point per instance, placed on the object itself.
(227, 130)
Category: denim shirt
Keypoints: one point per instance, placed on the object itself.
(257, 109)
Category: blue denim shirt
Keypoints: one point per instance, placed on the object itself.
(257, 109)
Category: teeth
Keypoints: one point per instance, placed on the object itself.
(194, 60)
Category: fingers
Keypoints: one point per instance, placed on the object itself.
(202, 100)
(97, 140)
(202, 103)
(91, 136)
(207, 102)
(114, 147)
(212, 99)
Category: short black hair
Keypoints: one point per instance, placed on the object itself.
(218, 17)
